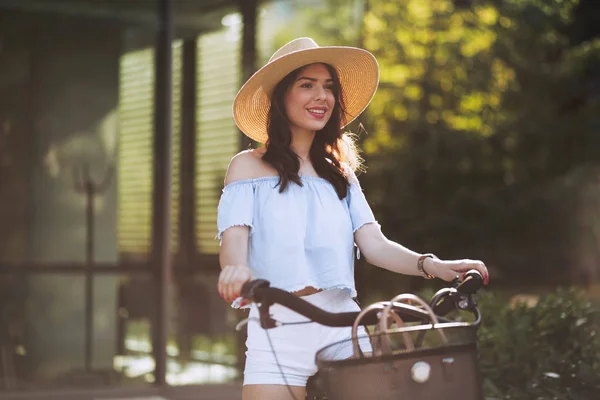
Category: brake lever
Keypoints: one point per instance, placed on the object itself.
(241, 324)
(265, 318)
(245, 322)
(466, 302)
(461, 300)
(251, 290)
(455, 282)
(464, 299)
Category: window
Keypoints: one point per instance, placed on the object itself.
(136, 125)
(217, 135)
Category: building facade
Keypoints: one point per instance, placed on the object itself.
(80, 162)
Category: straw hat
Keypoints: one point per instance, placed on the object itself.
(357, 68)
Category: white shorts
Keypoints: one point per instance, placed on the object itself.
(297, 345)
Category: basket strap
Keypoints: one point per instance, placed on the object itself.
(381, 343)
(370, 308)
(411, 297)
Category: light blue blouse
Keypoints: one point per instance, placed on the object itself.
(301, 237)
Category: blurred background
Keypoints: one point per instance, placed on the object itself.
(483, 141)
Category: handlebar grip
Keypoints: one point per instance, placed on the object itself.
(472, 282)
(249, 289)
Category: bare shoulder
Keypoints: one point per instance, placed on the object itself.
(244, 165)
(247, 164)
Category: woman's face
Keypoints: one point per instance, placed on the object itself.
(310, 99)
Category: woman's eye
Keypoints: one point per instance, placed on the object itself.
(309, 85)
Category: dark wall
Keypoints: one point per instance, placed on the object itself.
(59, 89)
(75, 81)
(15, 143)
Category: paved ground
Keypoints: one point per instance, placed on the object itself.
(206, 392)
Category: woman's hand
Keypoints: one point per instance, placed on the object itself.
(452, 269)
(231, 280)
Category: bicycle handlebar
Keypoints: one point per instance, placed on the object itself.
(444, 301)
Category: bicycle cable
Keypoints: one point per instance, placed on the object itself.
(279, 366)
(243, 322)
(238, 327)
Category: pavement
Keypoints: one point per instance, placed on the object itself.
(200, 392)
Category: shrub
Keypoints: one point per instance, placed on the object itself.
(548, 351)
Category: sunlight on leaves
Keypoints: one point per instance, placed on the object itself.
(436, 100)
(505, 22)
(487, 15)
(419, 9)
(398, 74)
(472, 102)
(478, 43)
(413, 92)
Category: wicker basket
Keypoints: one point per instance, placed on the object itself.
(422, 362)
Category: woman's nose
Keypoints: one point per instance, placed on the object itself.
(320, 94)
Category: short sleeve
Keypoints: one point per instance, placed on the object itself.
(236, 206)
(360, 212)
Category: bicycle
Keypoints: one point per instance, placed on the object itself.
(424, 361)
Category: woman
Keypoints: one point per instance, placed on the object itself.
(291, 211)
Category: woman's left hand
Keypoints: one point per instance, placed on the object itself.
(449, 270)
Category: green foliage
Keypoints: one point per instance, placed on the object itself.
(552, 105)
(549, 351)
(330, 23)
(484, 115)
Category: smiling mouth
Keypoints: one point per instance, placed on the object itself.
(318, 114)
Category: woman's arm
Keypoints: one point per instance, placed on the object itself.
(234, 246)
(233, 255)
(384, 253)
(233, 258)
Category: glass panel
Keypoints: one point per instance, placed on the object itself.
(217, 137)
(57, 120)
(76, 92)
(54, 319)
(76, 106)
(124, 311)
(203, 342)
(136, 127)
(201, 345)
(14, 361)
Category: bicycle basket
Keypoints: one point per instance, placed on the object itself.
(434, 370)
(434, 361)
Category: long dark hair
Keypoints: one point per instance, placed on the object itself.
(330, 149)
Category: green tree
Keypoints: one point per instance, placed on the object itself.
(430, 122)
(484, 115)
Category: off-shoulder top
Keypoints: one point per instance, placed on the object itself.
(301, 237)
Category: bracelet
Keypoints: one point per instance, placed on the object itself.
(420, 265)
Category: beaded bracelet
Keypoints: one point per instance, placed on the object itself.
(420, 265)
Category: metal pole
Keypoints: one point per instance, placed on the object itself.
(248, 8)
(187, 151)
(89, 278)
(84, 184)
(161, 236)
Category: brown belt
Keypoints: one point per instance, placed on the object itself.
(307, 291)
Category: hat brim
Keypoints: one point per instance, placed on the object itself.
(357, 69)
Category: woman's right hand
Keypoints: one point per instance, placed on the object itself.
(231, 280)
